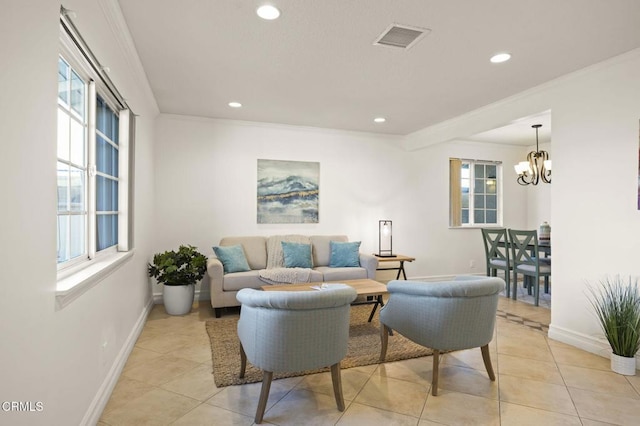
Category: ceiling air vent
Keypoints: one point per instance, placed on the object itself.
(401, 36)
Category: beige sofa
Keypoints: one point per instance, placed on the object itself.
(261, 253)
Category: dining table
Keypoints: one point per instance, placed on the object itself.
(543, 247)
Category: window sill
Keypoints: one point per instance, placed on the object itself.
(74, 285)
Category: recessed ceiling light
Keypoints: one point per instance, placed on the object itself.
(379, 119)
(268, 12)
(235, 104)
(500, 57)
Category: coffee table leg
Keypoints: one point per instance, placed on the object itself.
(373, 311)
(375, 306)
(379, 300)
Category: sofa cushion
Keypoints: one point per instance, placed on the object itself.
(341, 274)
(316, 276)
(275, 256)
(255, 249)
(296, 255)
(240, 280)
(232, 258)
(321, 248)
(344, 254)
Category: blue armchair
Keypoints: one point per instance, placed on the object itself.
(443, 316)
(287, 331)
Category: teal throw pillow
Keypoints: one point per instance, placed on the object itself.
(344, 254)
(232, 258)
(297, 255)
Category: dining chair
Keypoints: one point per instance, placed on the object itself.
(443, 316)
(526, 261)
(292, 331)
(496, 250)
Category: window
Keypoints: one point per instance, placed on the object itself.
(106, 176)
(72, 163)
(94, 139)
(475, 192)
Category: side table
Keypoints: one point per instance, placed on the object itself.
(400, 258)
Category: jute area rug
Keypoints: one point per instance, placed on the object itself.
(364, 348)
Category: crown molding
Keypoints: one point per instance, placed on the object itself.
(383, 137)
(115, 20)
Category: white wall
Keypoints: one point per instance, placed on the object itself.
(48, 355)
(206, 174)
(595, 220)
(444, 251)
(207, 171)
(594, 217)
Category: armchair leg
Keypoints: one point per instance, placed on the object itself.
(507, 283)
(218, 312)
(487, 362)
(434, 374)
(384, 340)
(243, 361)
(267, 376)
(337, 385)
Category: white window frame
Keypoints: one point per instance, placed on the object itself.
(455, 182)
(78, 275)
(74, 116)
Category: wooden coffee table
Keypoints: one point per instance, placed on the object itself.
(363, 287)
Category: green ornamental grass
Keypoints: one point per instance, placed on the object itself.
(617, 306)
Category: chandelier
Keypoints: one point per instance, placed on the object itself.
(536, 168)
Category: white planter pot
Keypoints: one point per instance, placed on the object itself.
(178, 299)
(623, 365)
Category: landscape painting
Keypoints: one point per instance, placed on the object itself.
(288, 191)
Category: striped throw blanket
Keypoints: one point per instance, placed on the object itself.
(285, 275)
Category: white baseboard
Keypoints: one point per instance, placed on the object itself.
(92, 416)
(199, 295)
(594, 345)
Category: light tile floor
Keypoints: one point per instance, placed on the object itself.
(167, 380)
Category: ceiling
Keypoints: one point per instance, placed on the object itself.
(519, 132)
(317, 65)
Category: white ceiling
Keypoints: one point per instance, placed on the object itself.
(519, 132)
(317, 65)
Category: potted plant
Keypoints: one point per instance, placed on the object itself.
(178, 271)
(617, 306)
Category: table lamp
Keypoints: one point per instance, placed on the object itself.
(385, 240)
